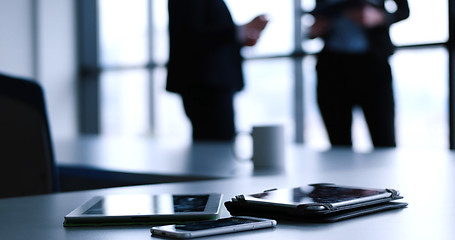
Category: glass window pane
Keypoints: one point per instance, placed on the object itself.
(421, 97)
(268, 95)
(160, 36)
(170, 119)
(427, 23)
(314, 130)
(277, 38)
(123, 32)
(125, 102)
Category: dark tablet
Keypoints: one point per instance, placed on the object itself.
(315, 203)
(322, 197)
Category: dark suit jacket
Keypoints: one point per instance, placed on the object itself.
(379, 37)
(204, 51)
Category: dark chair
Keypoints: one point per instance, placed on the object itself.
(27, 165)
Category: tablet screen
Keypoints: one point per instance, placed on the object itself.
(145, 209)
(117, 205)
(316, 194)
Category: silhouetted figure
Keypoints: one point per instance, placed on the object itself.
(353, 68)
(205, 65)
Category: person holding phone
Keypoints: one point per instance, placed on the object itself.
(353, 68)
(205, 65)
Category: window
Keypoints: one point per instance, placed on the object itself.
(133, 47)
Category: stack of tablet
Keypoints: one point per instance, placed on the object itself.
(315, 203)
(145, 209)
(312, 203)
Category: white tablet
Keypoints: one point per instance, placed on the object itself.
(145, 209)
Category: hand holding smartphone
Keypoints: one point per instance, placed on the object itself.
(212, 227)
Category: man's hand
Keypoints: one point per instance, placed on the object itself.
(250, 33)
(320, 27)
(367, 16)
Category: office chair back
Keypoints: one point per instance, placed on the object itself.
(27, 164)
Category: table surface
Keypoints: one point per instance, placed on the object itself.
(425, 177)
(151, 156)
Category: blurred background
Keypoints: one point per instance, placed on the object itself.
(102, 65)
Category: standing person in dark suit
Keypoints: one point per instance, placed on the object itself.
(353, 68)
(205, 65)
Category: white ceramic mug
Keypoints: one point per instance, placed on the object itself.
(268, 146)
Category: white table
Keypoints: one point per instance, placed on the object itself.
(93, 161)
(426, 179)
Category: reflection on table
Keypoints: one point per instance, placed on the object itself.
(94, 162)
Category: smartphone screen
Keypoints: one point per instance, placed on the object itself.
(207, 228)
(196, 226)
